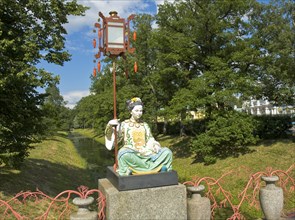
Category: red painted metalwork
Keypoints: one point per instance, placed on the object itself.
(94, 43)
(254, 182)
(63, 199)
(115, 115)
(213, 186)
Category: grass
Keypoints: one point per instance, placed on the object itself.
(55, 165)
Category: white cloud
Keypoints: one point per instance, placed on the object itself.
(73, 97)
(124, 9)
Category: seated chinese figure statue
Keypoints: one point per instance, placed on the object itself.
(140, 152)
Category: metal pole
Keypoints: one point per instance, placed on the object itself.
(115, 115)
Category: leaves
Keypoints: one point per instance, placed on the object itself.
(29, 31)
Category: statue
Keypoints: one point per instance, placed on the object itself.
(140, 153)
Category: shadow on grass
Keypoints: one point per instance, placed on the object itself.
(226, 212)
(181, 149)
(57, 134)
(50, 178)
(270, 142)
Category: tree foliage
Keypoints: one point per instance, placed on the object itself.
(217, 54)
(207, 56)
(58, 116)
(30, 31)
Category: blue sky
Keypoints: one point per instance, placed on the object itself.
(75, 75)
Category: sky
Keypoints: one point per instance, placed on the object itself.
(75, 75)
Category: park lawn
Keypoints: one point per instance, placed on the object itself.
(55, 165)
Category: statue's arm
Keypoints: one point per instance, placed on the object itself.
(149, 135)
(150, 140)
(110, 134)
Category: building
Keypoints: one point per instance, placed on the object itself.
(264, 107)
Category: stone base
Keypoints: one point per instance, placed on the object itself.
(168, 202)
(141, 181)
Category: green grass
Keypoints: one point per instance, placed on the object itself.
(55, 165)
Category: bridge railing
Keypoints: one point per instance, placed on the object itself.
(38, 205)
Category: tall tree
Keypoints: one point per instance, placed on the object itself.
(213, 54)
(197, 42)
(30, 30)
(58, 116)
(273, 28)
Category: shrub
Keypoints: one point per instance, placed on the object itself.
(227, 134)
(270, 127)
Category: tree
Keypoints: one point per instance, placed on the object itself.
(208, 56)
(215, 54)
(58, 116)
(273, 28)
(30, 31)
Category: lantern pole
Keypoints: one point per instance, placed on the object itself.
(115, 114)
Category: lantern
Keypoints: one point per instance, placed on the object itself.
(135, 67)
(94, 72)
(94, 43)
(113, 39)
(98, 66)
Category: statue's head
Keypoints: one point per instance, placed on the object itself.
(133, 102)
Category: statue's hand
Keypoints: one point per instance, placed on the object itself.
(157, 146)
(154, 145)
(114, 122)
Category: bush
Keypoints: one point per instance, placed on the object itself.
(227, 134)
(271, 127)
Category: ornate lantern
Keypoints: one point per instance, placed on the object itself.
(113, 36)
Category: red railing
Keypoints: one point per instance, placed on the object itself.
(214, 188)
(60, 206)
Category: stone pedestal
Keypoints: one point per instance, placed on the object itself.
(166, 202)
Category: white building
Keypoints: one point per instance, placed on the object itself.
(264, 107)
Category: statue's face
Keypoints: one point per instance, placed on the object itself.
(136, 112)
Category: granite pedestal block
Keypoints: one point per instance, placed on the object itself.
(165, 202)
(141, 181)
